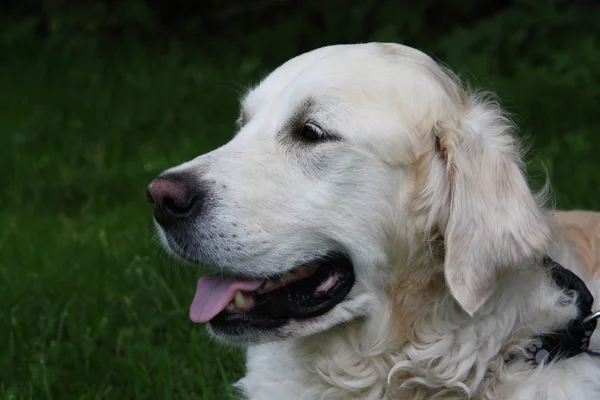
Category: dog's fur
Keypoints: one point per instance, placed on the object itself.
(421, 184)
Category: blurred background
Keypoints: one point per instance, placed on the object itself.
(98, 97)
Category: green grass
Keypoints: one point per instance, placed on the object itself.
(90, 307)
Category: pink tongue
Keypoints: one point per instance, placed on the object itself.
(214, 292)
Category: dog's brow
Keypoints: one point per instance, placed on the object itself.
(298, 117)
(302, 111)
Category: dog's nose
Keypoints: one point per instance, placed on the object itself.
(174, 199)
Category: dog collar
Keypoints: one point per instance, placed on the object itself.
(574, 339)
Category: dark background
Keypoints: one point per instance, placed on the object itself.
(97, 97)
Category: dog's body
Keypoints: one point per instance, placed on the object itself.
(389, 205)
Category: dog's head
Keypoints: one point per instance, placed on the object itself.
(348, 159)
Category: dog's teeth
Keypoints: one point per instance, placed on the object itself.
(230, 307)
(268, 285)
(328, 283)
(238, 300)
(287, 276)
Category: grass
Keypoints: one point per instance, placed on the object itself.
(90, 307)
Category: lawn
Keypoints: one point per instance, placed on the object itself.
(90, 306)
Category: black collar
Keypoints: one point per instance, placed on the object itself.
(574, 339)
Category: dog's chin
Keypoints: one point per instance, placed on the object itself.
(353, 308)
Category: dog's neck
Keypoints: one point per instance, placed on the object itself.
(422, 343)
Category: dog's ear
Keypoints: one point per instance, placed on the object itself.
(493, 223)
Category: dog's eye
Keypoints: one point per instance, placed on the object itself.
(312, 133)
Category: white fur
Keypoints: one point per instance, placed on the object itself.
(444, 241)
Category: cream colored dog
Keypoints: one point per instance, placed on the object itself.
(375, 238)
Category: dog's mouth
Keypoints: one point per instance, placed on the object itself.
(307, 291)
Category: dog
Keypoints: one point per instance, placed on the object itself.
(374, 236)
